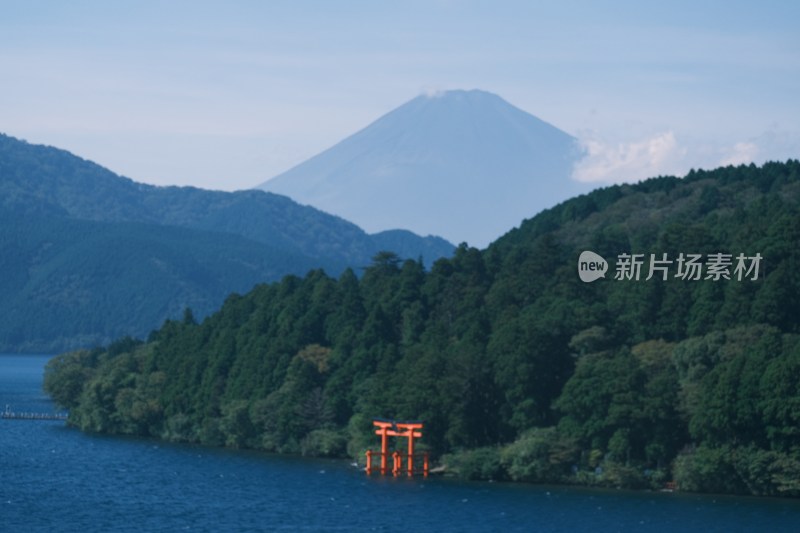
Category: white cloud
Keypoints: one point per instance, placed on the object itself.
(742, 153)
(664, 154)
(433, 91)
(630, 161)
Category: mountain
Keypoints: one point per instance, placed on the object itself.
(44, 180)
(68, 283)
(466, 165)
(89, 256)
(519, 369)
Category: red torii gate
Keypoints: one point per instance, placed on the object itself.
(393, 428)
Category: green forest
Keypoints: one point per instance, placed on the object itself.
(520, 370)
(89, 256)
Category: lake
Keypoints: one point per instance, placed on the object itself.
(55, 478)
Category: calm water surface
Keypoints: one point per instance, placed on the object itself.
(55, 478)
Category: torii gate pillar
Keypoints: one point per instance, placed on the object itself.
(392, 428)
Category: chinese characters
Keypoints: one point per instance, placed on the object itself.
(691, 267)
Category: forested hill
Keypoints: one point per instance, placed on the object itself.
(519, 369)
(45, 180)
(88, 256)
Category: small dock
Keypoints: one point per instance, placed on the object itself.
(8, 414)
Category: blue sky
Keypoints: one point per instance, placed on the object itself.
(225, 95)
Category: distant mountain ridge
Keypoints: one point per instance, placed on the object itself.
(67, 185)
(466, 165)
(88, 255)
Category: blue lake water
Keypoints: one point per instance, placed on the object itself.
(54, 478)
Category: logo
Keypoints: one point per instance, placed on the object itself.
(591, 266)
(686, 267)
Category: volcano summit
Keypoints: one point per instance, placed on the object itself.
(465, 165)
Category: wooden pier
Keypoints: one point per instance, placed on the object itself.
(14, 415)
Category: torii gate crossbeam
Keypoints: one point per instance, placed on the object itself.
(393, 428)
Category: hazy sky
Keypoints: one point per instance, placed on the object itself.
(225, 95)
